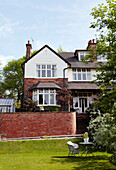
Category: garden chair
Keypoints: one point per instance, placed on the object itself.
(73, 147)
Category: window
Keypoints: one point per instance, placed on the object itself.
(81, 74)
(102, 58)
(45, 96)
(81, 55)
(43, 70)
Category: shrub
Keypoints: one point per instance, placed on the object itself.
(113, 158)
(29, 105)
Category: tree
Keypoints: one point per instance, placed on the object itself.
(12, 83)
(60, 49)
(105, 23)
(63, 97)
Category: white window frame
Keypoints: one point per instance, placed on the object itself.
(42, 70)
(82, 53)
(43, 93)
(81, 74)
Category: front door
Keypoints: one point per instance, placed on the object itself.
(82, 104)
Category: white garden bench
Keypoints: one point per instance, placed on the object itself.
(73, 147)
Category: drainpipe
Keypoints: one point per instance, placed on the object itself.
(64, 75)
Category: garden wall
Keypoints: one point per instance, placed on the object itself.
(14, 125)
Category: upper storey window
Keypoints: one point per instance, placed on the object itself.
(102, 58)
(46, 70)
(82, 74)
(81, 55)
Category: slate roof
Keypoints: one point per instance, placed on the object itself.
(43, 85)
(82, 85)
(69, 57)
(6, 102)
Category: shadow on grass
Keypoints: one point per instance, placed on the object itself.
(100, 162)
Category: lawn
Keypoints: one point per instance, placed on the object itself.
(48, 154)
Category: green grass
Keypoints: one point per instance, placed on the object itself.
(48, 154)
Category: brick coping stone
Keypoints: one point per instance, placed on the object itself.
(44, 137)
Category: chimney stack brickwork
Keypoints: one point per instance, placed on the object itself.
(28, 52)
(91, 44)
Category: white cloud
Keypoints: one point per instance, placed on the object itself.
(6, 25)
(5, 59)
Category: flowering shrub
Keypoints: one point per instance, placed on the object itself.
(103, 133)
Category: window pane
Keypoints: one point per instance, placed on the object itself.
(48, 73)
(81, 56)
(43, 73)
(53, 73)
(75, 100)
(88, 70)
(74, 77)
(48, 66)
(79, 70)
(88, 76)
(40, 99)
(74, 70)
(43, 66)
(46, 100)
(85, 102)
(38, 73)
(38, 66)
(46, 91)
(83, 69)
(84, 76)
(51, 98)
(35, 97)
(53, 66)
(79, 102)
(40, 90)
(79, 76)
(51, 91)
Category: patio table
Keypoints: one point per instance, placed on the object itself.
(86, 145)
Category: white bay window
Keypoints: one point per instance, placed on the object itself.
(45, 96)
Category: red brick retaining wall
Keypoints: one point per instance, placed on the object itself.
(13, 125)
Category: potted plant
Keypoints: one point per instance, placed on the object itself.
(86, 137)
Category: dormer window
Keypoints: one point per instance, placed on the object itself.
(81, 55)
(45, 70)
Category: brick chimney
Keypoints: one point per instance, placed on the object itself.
(91, 44)
(28, 50)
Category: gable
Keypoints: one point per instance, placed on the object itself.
(46, 46)
(42, 57)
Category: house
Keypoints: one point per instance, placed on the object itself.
(46, 71)
(7, 105)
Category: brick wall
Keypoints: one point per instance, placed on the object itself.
(28, 82)
(13, 125)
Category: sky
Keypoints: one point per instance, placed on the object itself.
(56, 23)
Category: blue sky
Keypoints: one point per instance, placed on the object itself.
(57, 23)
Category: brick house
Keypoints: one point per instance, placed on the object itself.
(47, 71)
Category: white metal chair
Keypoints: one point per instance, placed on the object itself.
(73, 147)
